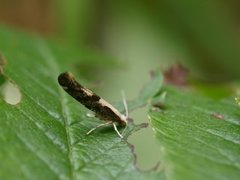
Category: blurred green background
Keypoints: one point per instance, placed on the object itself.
(140, 35)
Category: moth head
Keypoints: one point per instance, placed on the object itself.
(65, 79)
(124, 119)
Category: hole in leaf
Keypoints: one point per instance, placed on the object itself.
(9, 91)
(146, 147)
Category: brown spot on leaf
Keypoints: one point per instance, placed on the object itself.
(177, 75)
(3, 62)
(217, 116)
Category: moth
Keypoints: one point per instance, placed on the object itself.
(104, 110)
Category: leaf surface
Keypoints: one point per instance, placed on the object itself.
(200, 137)
(44, 136)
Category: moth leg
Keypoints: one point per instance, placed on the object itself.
(100, 125)
(115, 128)
(125, 103)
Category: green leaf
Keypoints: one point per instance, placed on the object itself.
(44, 136)
(200, 137)
(151, 89)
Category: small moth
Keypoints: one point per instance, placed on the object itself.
(93, 102)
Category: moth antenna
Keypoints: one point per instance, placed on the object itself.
(125, 103)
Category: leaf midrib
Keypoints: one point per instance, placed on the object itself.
(51, 61)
